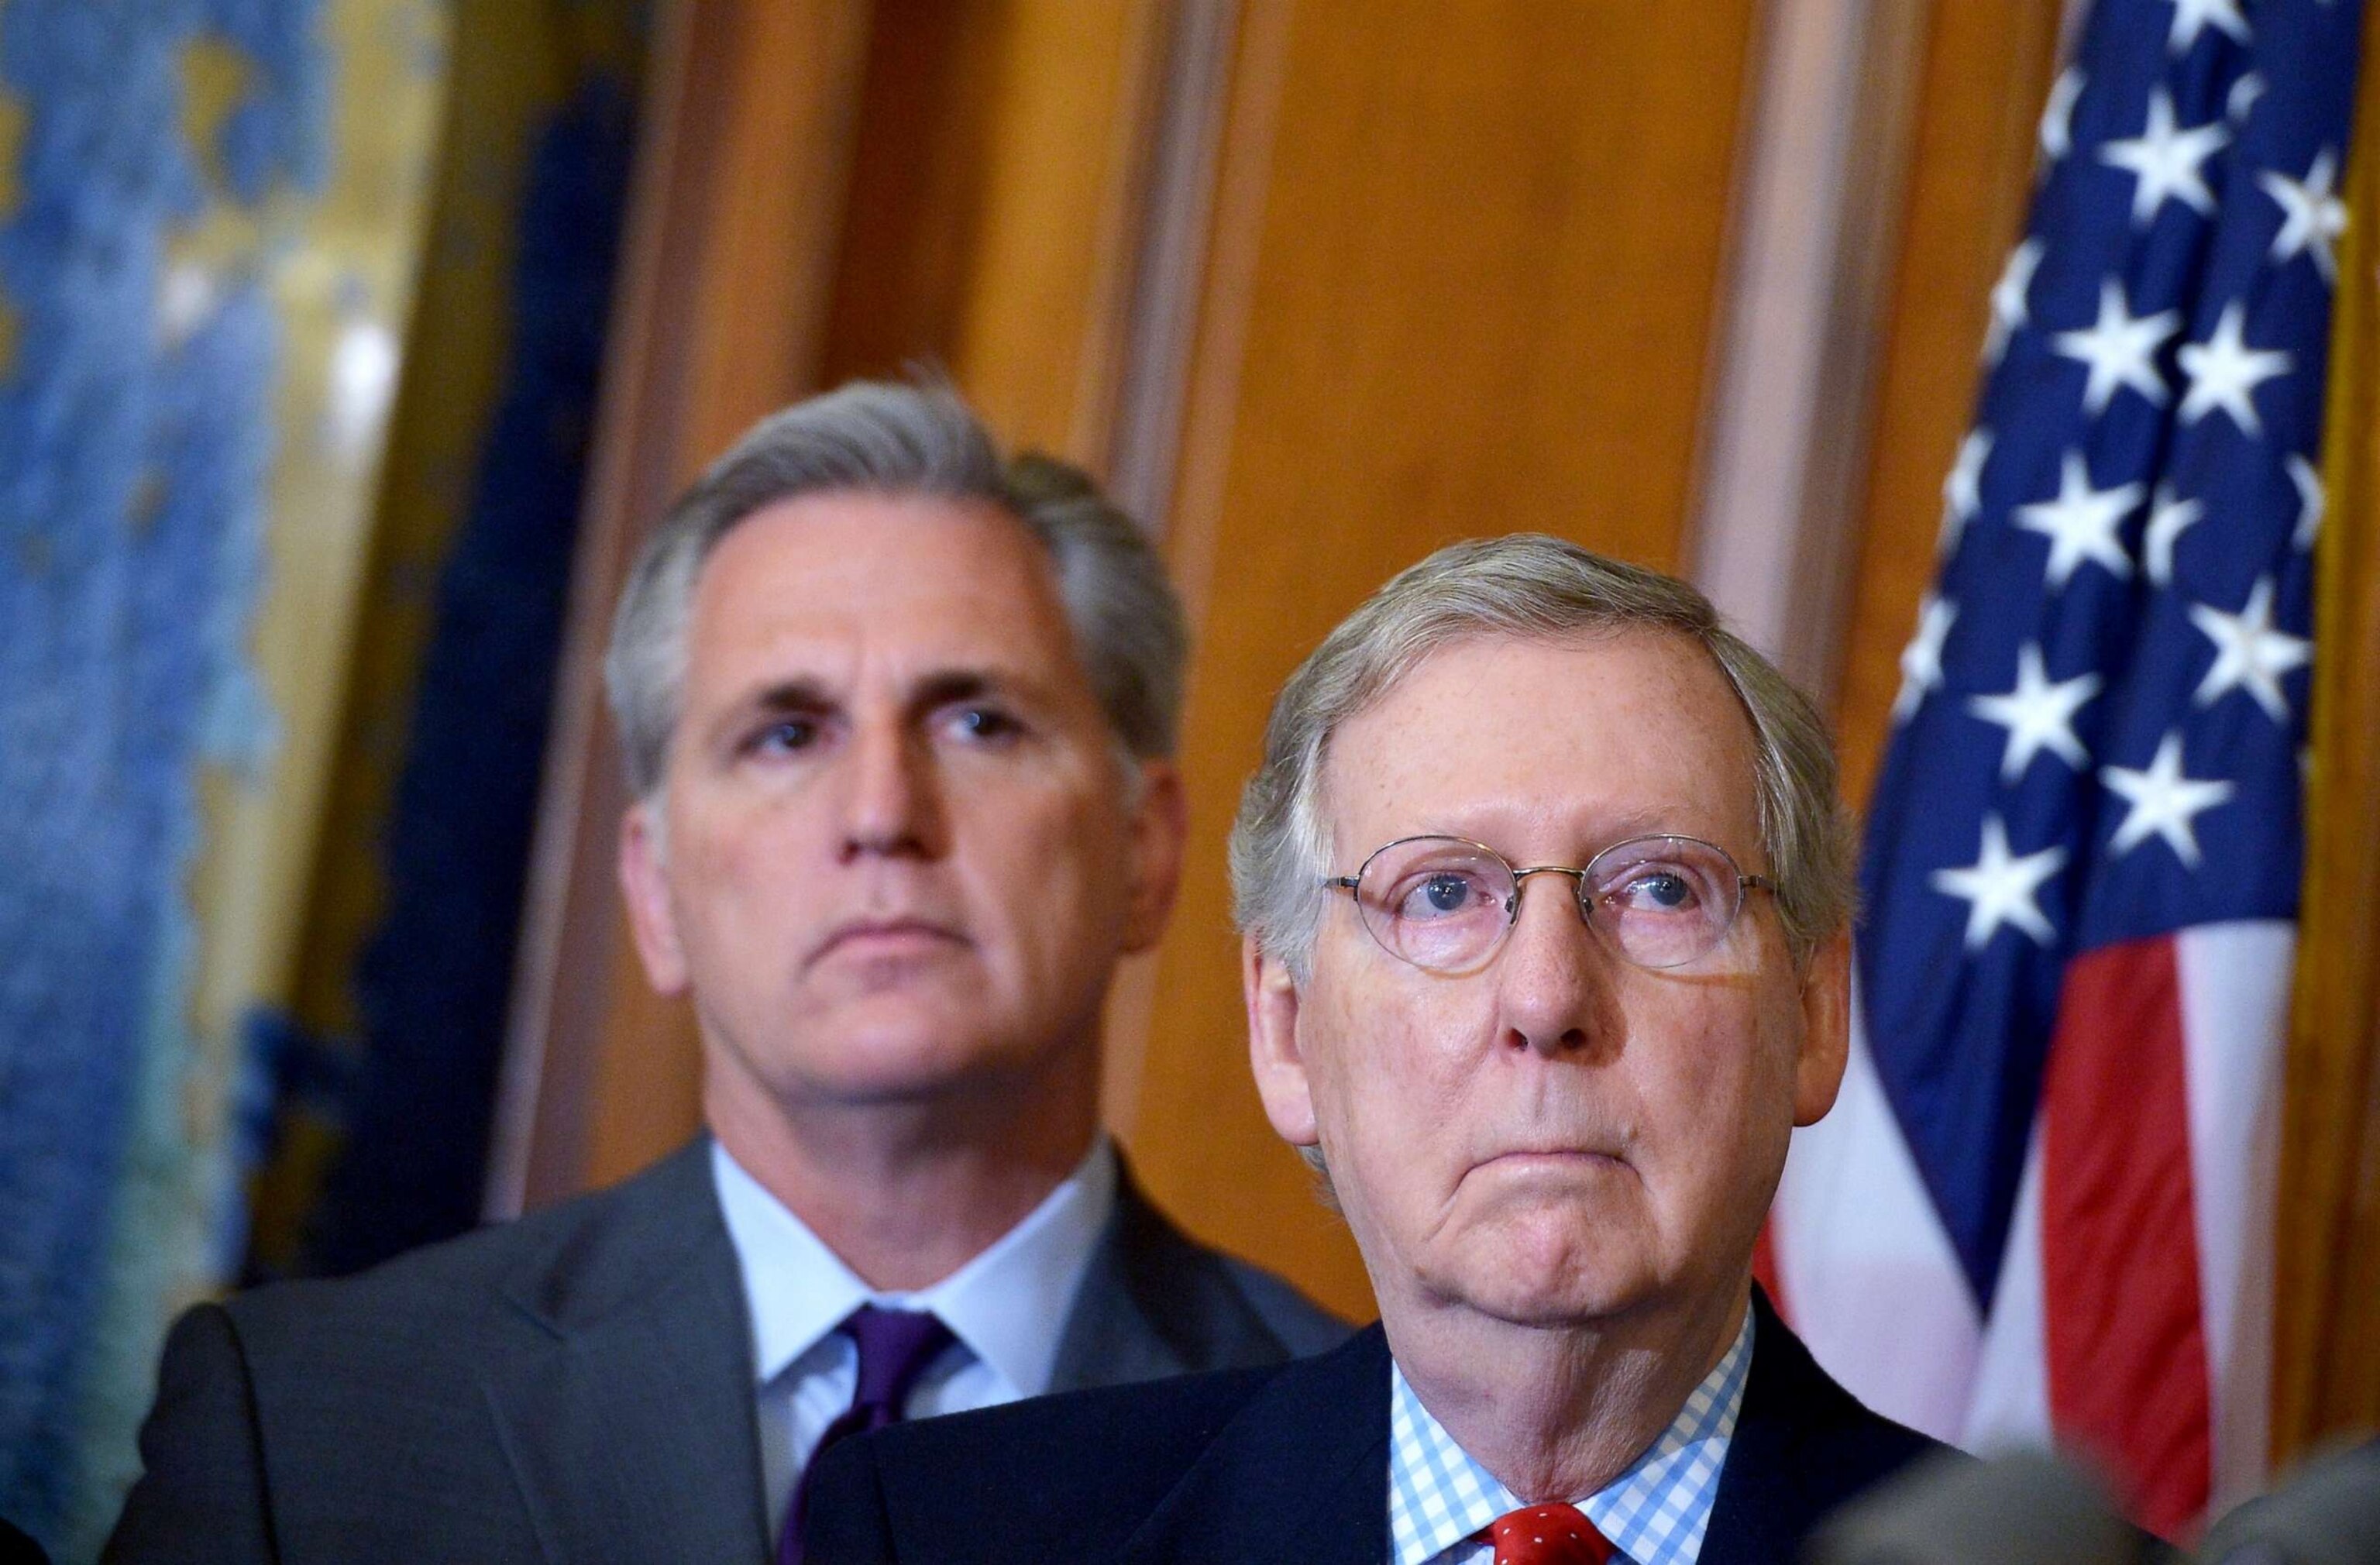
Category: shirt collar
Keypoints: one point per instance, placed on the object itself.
(1656, 1513)
(1008, 1306)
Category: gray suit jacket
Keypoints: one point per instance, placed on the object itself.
(576, 1386)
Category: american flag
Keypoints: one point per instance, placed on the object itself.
(2044, 1206)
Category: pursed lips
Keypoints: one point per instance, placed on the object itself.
(1555, 1154)
(878, 934)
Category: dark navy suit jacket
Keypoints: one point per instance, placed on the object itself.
(577, 1386)
(1286, 1463)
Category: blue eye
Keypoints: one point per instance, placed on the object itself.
(786, 734)
(1659, 891)
(1444, 893)
(987, 723)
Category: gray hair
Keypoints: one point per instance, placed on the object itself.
(879, 438)
(1529, 587)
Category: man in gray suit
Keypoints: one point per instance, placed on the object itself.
(897, 717)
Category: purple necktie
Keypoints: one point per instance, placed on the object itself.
(895, 1346)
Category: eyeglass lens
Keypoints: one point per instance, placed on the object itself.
(1444, 904)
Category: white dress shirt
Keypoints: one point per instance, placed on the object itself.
(1006, 1308)
(1655, 1513)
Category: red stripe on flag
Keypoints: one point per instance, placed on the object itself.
(2125, 1338)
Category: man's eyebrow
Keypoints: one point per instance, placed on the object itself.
(942, 686)
(789, 695)
(945, 685)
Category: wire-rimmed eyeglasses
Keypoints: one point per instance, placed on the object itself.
(1445, 904)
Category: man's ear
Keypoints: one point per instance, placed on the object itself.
(644, 885)
(1160, 827)
(1826, 1029)
(1275, 1053)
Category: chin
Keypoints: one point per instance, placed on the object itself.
(922, 1070)
(1554, 1271)
(1553, 1303)
(919, 1069)
(879, 1064)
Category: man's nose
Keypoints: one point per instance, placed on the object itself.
(891, 802)
(1550, 975)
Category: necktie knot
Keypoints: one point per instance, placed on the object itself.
(1549, 1534)
(895, 1346)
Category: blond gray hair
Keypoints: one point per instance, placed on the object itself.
(1528, 587)
(881, 438)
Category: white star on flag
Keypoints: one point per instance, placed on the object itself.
(2308, 479)
(2038, 714)
(2121, 348)
(2190, 17)
(2225, 371)
(2058, 115)
(2081, 523)
(2249, 654)
(2169, 516)
(2243, 97)
(1963, 492)
(2163, 803)
(1921, 661)
(2311, 216)
(2009, 310)
(2000, 887)
(2165, 160)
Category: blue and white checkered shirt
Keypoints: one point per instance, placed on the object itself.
(1655, 1513)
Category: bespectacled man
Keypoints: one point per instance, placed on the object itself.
(1545, 893)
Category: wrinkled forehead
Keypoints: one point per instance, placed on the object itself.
(1554, 744)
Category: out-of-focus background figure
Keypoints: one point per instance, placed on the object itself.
(2005, 368)
(2028, 1508)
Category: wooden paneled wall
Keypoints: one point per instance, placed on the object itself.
(1986, 72)
(995, 206)
(2326, 1316)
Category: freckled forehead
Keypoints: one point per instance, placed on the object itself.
(1548, 749)
(915, 578)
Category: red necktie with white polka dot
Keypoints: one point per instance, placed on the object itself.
(1549, 1534)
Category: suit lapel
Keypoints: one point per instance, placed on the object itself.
(1300, 1473)
(630, 1421)
(1772, 1490)
(1153, 1303)
(1126, 1324)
